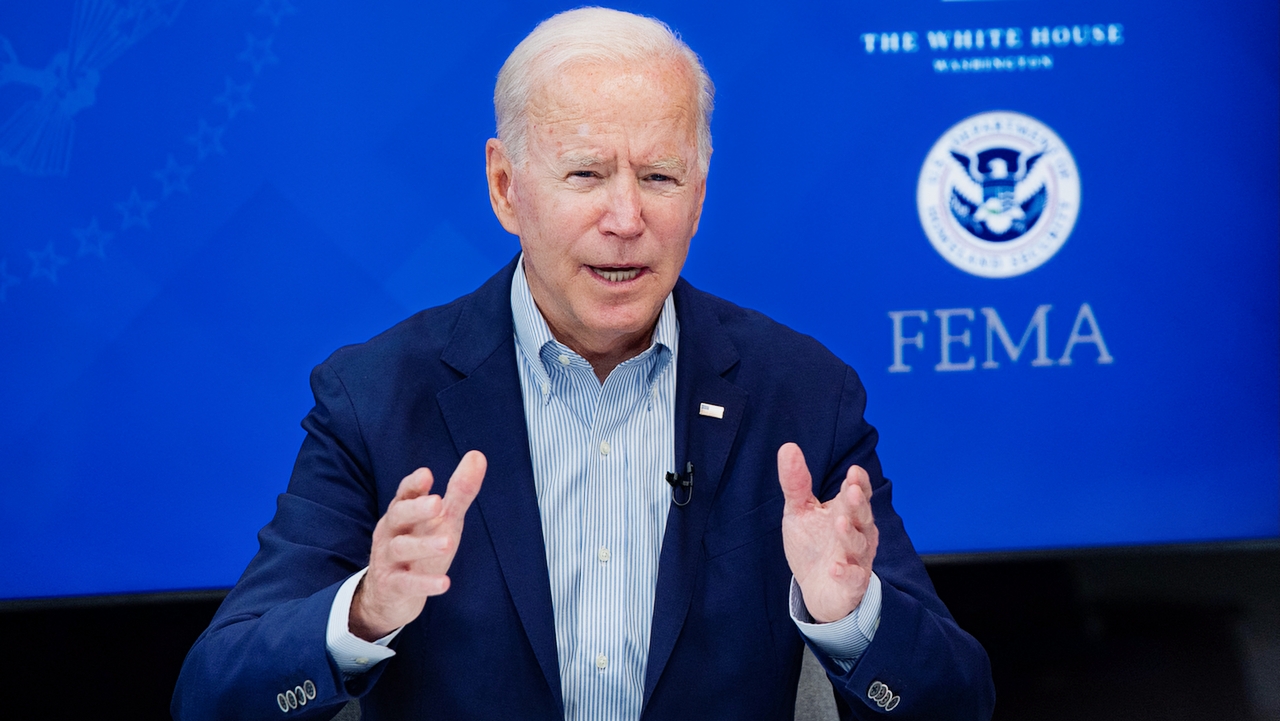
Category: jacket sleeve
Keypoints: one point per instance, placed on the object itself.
(920, 665)
(264, 652)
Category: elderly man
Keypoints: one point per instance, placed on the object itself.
(631, 529)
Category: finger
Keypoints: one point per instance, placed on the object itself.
(858, 475)
(793, 475)
(464, 484)
(410, 549)
(433, 585)
(849, 544)
(852, 503)
(412, 584)
(415, 484)
(416, 515)
(853, 539)
(857, 478)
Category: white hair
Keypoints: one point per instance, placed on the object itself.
(590, 34)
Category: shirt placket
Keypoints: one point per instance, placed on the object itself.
(605, 548)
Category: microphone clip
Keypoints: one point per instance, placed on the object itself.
(679, 481)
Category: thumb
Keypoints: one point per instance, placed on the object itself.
(793, 475)
(464, 484)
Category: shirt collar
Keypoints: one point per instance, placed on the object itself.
(533, 334)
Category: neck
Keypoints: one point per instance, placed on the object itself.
(605, 354)
(603, 349)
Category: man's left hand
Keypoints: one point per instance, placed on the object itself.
(829, 546)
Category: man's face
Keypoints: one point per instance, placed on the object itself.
(607, 201)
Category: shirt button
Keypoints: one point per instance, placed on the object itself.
(564, 359)
(603, 555)
(546, 388)
(602, 662)
(362, 661)
(604, 448)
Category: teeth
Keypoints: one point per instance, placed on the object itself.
(617, 276)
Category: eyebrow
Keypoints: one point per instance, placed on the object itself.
(675, 164)
(582, 160)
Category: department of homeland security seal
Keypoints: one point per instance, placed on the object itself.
(998, 194)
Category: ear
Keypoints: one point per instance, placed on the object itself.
(501, 175)
(702, 196)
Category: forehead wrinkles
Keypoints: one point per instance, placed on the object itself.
(592, 99)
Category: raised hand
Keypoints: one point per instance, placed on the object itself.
(829, 546)
(413, 546)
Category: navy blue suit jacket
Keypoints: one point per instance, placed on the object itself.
(722, 645)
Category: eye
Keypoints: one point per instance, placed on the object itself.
(584, 174)
(660, 178)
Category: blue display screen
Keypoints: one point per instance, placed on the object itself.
(1044, 233)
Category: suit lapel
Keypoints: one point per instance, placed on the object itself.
(482, 412)
(706, 354)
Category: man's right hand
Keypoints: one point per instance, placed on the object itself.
(413, 546)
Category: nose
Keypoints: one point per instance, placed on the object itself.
(624, 216)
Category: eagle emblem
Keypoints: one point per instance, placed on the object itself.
(1000, 196)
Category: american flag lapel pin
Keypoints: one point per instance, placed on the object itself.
(711, 410)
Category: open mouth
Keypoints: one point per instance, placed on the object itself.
(616, 274)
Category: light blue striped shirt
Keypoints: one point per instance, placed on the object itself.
(600, 453)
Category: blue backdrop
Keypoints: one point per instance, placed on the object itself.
(199, 201)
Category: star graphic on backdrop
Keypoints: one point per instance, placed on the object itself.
(45, 263)
(235, 98)
(134, 211)
(93, 240)
(7, 281)
(173, 177)
(258, 52)
(275, 10)
(207, 139)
